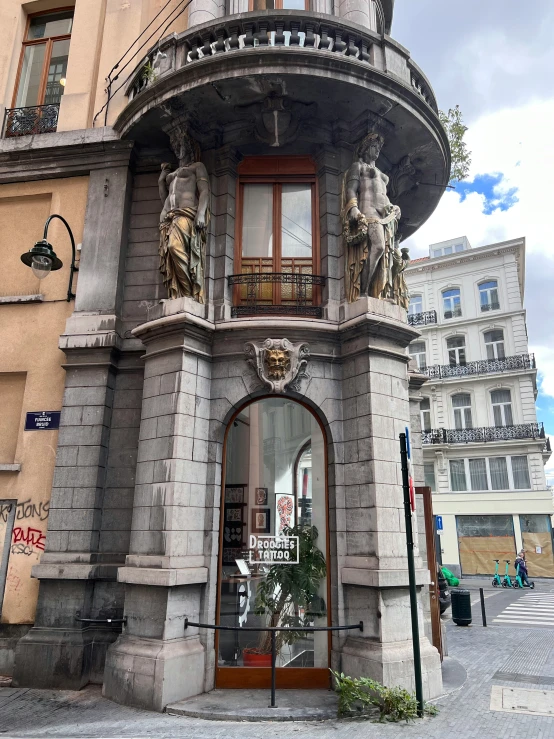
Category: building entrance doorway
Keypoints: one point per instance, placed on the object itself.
(273, 557)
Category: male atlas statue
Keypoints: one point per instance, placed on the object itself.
(374, 264)
(183, 222)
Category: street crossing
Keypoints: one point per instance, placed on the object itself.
(532, 609)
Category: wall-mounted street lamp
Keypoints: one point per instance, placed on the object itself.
(42, 258)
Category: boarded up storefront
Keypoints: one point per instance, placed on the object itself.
(481, 540)
(536, 534)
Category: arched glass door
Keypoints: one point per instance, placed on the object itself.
(273, 567)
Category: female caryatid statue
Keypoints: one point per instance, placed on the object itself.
(185, 194)
(374, 264)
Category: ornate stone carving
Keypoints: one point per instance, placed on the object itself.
(374, 262)
(402, 177)
(185, 194)
(278, 119)
(279, 363)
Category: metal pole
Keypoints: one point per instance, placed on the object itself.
(483, 614)
(273, 659)
(411, 575)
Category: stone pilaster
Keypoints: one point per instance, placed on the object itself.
(155, 662)
(373, 569)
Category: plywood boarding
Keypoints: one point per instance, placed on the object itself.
(477, 553)
(538, 565)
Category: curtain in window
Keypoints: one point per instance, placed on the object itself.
(478, 474)
(458, 475)
(462, 411)
(502, 407)
(520, 472)
(429, 471)
(499, 473)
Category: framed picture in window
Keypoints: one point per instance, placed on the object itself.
(261, 520)
(261, 496)
(234, 494)
(284, 513)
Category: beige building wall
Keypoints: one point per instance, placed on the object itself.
(31, 372)
(103, 31)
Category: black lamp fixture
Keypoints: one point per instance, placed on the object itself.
(42, 258)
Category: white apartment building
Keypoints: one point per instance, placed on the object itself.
(484, 451)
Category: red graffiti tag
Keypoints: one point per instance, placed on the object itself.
(31, 537)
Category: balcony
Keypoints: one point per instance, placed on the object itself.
(483, 434)
(481, 367)
(30, 121)
(275, 72)
(489, 306)
(454, 313)
(255, 291)
(422, 319)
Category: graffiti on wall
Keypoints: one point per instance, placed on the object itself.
(26, 540)
(26, 509)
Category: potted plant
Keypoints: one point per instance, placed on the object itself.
(287, 592)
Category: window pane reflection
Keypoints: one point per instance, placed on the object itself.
(53, 24)
(297, 220)
(257, 221)
(31, 73)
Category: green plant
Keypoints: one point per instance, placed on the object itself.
(359, 696)
(453, 124)
(288, 590)
(149, 74)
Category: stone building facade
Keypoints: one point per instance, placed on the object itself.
(155, 388)
(484, 451)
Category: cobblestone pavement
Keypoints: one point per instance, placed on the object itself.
(525, 656)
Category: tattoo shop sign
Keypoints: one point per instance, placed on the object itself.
(282, 550)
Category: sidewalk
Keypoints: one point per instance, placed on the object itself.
(464, 714)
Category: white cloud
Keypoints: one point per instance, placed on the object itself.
(544, 356)
(519, 144)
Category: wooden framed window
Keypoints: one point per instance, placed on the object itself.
(43, 63)
(254, 5)
(277, 229)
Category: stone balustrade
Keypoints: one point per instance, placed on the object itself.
(279, 30)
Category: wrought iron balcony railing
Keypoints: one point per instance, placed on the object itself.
(483, 434)
(422, 319)
(480, 367)
(282, 29)
(489, 306)
(296, 300)
(455, 313)
(31, 120)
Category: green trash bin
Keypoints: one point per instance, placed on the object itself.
(461, 607)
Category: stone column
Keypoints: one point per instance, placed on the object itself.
(155, 662)
(202, 11)
(373, 570)
(58, 651)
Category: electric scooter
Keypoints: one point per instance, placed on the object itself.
(506, 580)
(496, 581)
(519, 581)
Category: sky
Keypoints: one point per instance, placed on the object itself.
(495, 59)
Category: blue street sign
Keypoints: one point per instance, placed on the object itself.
(408, 449)
(43, 421)
(438, 520)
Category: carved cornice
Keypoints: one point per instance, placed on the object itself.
(64, 154)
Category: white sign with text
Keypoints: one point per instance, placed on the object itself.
(265, 549)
